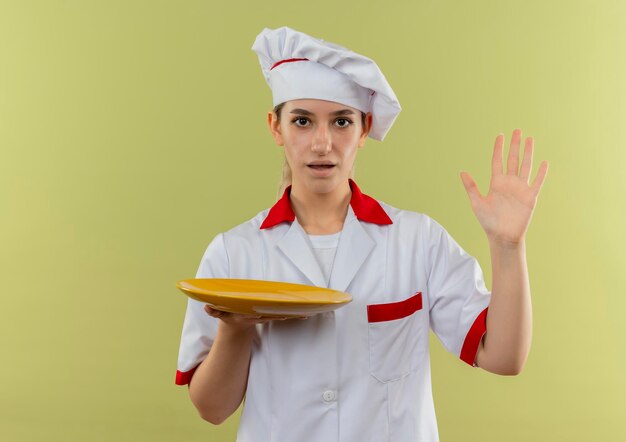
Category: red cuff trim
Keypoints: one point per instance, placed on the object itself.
(184, 377)
(472, 340)
(394, 310)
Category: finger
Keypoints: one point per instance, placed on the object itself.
(513, 159)
(496, 160)
(528, 159)
(264, 319)
(541, 176)
(471, 188)
(282, 318)
(212, 312)
(249, 317)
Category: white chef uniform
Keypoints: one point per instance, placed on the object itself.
(361, 373)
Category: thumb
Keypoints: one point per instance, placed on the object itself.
(471, 188)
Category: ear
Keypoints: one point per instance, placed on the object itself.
(366, 129)
(274, 126)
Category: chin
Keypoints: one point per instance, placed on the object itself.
(326, 185)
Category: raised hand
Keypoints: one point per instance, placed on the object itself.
(506, 211)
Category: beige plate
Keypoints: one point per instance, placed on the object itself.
(268, 298)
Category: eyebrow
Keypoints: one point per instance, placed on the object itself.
(339, 112)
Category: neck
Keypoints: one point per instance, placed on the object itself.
(320, 213)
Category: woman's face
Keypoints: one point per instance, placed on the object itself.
(321, 139)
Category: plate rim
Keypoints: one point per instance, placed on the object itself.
(347, 297)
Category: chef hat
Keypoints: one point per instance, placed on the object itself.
(296, 65)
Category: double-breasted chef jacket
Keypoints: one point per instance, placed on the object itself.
(362, 372)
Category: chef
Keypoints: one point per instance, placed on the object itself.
(362, 372)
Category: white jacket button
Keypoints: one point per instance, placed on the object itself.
(329, 395)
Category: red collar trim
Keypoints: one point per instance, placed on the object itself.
(365, 208)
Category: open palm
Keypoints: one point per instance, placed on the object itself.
(506, 211)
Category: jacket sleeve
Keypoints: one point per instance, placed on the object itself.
(459, 300)
(199, 328)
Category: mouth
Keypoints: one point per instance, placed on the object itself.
(321, 170)
(321, 166)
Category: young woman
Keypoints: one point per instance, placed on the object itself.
(362, 372)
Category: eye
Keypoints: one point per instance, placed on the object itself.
(300, 121)
(343, 122)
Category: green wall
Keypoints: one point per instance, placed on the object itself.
(131, 132)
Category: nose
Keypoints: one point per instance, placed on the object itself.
(321, 143)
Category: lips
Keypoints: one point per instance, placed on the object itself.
(321, 166)
(321, 169)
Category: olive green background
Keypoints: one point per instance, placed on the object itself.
(132, 132)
